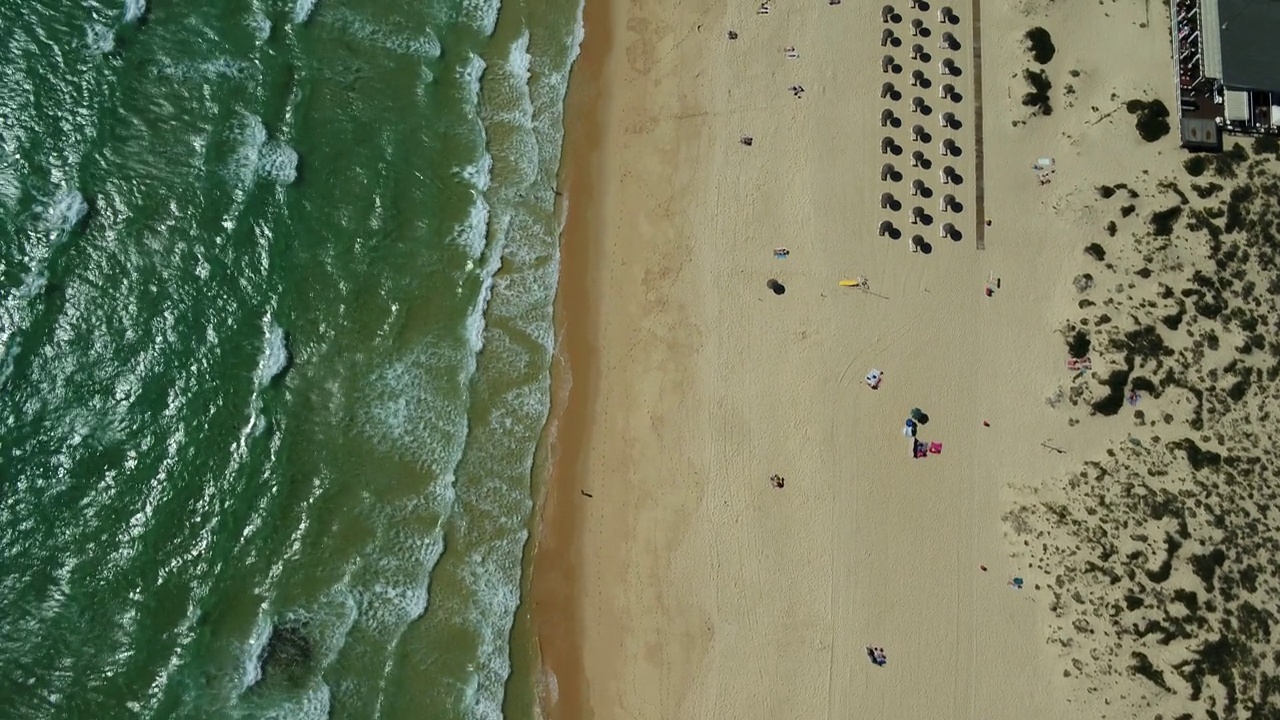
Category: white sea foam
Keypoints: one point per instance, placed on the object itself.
(472, 233)
(275, 356)
(134, 10)
(482, 14)
(478, 173)
(385, 35)
(251, 136)
(419, 414)
(312, 704)
(278, 162)
(65, 212)
(302, 10)
(100, 38)
(261, 26)
(251, 668)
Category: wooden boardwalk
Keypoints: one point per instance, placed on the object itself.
(979, 201)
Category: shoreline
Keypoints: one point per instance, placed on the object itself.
(554, 583)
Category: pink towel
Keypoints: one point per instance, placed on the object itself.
(935, 448)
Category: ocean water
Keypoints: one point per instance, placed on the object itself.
(275, 335)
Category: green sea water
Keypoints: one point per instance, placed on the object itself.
(275, 331)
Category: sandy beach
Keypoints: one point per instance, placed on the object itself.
(673, 578)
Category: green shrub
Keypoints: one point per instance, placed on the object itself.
(1040, 45)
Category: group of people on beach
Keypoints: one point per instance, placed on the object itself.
(877, 656)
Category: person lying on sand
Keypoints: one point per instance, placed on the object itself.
(778, 481)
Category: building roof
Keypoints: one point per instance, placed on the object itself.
(1250, 52)
(1210, 40)
(1200, 134)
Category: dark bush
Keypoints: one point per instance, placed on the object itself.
(1162, 222)
(1266, 145)
(1079, 344)
(1196, 165)
(1096, 251)
(1040, 45)
(1152, 118)
(1038, 98)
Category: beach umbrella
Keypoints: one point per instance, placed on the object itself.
(945, 204)
(946, 91)
(886, 117)
(916, 24)
(947, 147)
(917, 104)
(887, 145)
(918, 133)
(946, 120)
(886, 90)
(886, 37)
(945, 14)
(947, 173)
(886, 13)
(918, 415)
(888, 172)
(917, 215)
(917, 243)
(949, 42)
(886, 63)
(917, 158)
(917, 186)
(886, 201)
(916, 51)
(917, 77)
(946, 230)
(947, 66)
(886, 228)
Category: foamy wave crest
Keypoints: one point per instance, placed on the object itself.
(251, 668)
(261, 26)
(312, 704)
(482, 14)
(302, 10)
(472, 232)
(278, 163)
(470, 75)
(134, 10)
(275, 356)
(10, 180)
(65, 212)
(416, 405)
(251, 136)
(401, 597)
(384, 35)
(222, 69)
(100, 38)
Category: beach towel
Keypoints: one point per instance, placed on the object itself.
(935, 448)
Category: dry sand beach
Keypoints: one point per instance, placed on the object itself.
(672, 578)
